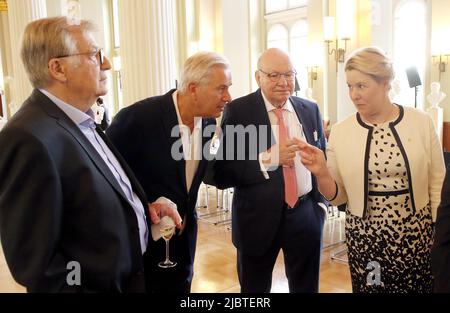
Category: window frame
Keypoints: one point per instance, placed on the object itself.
(406, 95)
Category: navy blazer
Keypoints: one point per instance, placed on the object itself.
(254, 228)
(440, 254)
(142, 132)
(59, 202)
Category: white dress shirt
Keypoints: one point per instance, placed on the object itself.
(295, 130)
(192, 144)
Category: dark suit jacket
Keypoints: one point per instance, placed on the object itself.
(258, 202)
(142, 132)
(59, 203)
(440, 255)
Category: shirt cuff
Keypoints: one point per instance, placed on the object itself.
(261, 164)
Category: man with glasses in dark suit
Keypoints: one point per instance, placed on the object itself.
(275, 205)
(73, 217)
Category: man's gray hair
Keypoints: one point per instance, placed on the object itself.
(197, 68)
(45, 39)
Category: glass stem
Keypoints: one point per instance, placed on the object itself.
(167, 252)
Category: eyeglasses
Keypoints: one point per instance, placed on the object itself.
(98, 52)
(275, 76)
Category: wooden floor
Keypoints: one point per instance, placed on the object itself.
(215, 261)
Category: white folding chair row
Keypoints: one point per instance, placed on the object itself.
(334, 228)
(223, 205)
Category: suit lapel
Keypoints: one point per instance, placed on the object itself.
(135, 185)
(68, 125)
(304, 120)
(261, 116)
(93, 155)
(134, 182)
(170, 120)
(206, 137)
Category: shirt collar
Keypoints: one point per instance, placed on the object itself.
(270, 107)
(197, 120)
(77, 116)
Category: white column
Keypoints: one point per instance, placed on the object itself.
(20, 13)
(315, 15)
(146, 48)
(236, 47)
(257, 38)
(182, 40)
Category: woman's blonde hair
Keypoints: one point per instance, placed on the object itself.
(371, 61)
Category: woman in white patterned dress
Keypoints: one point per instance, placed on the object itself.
(386, 162)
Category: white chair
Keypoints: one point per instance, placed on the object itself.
(334, 228)
(227, 197)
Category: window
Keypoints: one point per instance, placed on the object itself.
(275, 5)
(298, 52)
(115, 14)
(280, 5)
(297, 3)
(116, 61)
(295, 43)
(288, 31)
(277, 37)
(410, 35)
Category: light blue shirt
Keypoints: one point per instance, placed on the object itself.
(85, 122)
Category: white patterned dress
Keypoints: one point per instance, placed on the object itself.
(393, 236)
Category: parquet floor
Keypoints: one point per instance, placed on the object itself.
(215, 262)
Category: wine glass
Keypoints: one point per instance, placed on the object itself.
(167, 230)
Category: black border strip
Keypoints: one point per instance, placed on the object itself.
(389, 193)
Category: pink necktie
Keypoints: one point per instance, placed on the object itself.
(290, 181)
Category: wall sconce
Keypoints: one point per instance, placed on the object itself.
(329, 37)
(314, 59)
(312, 73)
(440, 48)
(3, 6)
(441, 61)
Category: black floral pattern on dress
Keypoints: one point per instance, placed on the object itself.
(393, 233)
